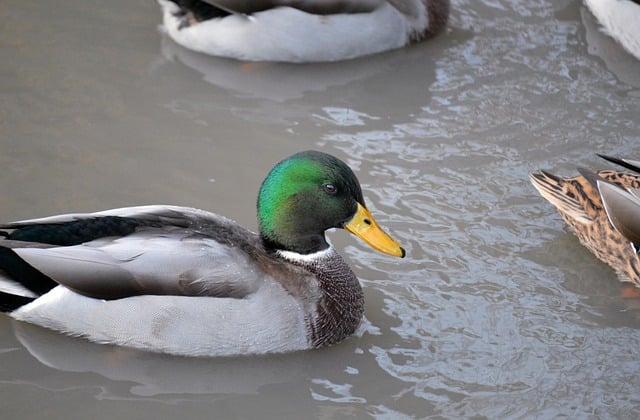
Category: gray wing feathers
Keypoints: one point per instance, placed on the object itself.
(140, 265)
(86, 271)
(623, 210)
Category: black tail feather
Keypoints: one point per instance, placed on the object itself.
(200, 10)
(9, 302)
(19, 270)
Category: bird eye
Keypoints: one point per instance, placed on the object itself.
(330, 189)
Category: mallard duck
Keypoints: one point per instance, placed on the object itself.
(603, 209)
(301, 30)
(620, 19)
(188, 282)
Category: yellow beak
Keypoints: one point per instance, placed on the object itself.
(364, 226)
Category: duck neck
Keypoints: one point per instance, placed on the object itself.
(341, 307)
(306, 245)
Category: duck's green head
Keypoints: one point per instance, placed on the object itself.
(308, 193)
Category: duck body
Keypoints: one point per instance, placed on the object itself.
(179, 280)
(184, 282)
(619, 18)
(303, 30)
(603, 210)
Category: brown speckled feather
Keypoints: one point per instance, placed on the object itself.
(580, 203)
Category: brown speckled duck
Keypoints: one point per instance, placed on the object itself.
(603, 209)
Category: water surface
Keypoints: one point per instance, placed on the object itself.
(497, 311)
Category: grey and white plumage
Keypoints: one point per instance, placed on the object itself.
(301, 30)
(185, 281)
(191, 303)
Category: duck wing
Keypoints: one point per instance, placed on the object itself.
(620, 196)
(163, 214)
(318, 7)
(633, 165)
(623, 210)
(157, 250)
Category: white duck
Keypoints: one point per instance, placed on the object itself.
(621, 20)
(301, 30)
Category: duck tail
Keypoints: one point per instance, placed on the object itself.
(196, 10)
(560, 192)
(20, 283)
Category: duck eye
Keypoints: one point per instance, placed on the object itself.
(330, 189)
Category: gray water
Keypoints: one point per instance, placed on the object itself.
(497, 312)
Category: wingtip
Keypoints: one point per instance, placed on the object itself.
(625, 163)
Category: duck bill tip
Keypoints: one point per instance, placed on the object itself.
(364, 226)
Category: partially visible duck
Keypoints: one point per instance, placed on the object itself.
(603, 209)
(621, 20)
(301, 30)
(188, 282)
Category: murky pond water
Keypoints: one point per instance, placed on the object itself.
(496, 312)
